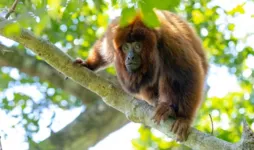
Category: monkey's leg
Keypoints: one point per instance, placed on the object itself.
(163, 111)
(165, 107)
(188, 103)
(181, 128)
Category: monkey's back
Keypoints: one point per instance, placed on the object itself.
(181, 29)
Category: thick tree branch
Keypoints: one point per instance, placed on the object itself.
(97, 115)
(34, 67)
(114, 96)
(93, 125)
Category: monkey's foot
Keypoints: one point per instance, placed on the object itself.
(181, 128)
(80, 62)
(162, 112)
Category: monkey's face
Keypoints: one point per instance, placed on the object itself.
(136, 53)
(132, 55)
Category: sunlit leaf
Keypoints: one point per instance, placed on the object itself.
(165, 4)
(69, 37)
(111, 70)
(44, 22)
(127, 16)
(102, 20)
(237, 9)
(54, 8)
(113, 2)
(12, 29)
(197, 17)
(74, 5)
(37, 2)
(150, 19)
(231, 27)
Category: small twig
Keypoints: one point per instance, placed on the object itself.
(211, 123)
(12, 9)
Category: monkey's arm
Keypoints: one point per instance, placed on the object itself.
(102, 53)
(99, 56)
(189, 93)
(180, 96)
(166, 104)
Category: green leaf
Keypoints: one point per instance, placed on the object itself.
(37, 3)
(237, 9)
(231, 27)
(150, 18)
(73, 6)
(12, 29)
(165, 4)
(159, 4)
(54, 9)
(113, 2)
(44, 22)
(197, 17)
(127, 16)
(111, 70)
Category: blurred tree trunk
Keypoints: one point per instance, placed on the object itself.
(85, 131)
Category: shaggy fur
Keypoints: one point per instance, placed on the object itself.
(173, 68)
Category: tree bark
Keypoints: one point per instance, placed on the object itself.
(135, 110)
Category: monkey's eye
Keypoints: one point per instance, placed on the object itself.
(125, 47)
(137, 46)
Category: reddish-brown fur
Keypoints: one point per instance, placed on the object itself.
(172, 71)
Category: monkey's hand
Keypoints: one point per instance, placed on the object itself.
(80, 62)
(163, 111)
(181, 128)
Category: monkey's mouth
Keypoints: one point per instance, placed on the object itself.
(132, 67)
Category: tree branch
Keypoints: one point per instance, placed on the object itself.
(97, 115)
(34, 67)
(12, 9)
(93, 125)
(135, 110)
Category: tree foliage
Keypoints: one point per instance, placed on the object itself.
(74, 25)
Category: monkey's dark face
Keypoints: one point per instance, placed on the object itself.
(135, 48)
(132, 55)
(136, 55)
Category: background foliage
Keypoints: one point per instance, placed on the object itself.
(74, 25)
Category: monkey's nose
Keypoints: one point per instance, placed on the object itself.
(131, 56)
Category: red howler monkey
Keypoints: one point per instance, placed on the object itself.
(165, 66)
